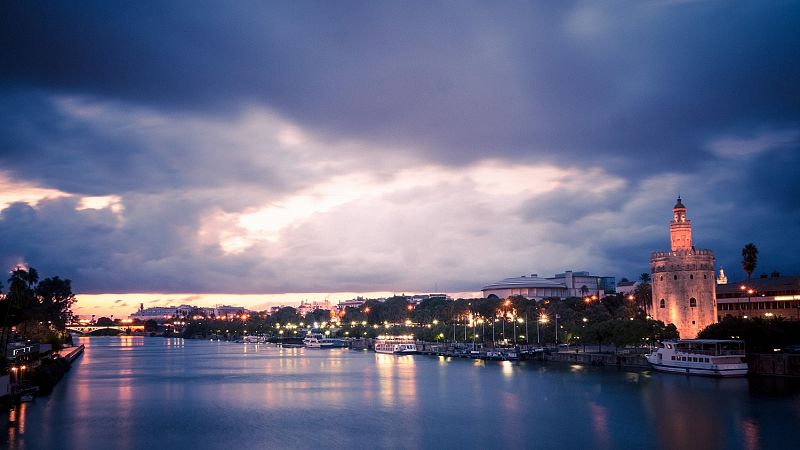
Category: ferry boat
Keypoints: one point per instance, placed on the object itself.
(714, 357)
(397, 345)
(316, 340)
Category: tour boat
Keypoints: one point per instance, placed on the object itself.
(714, 357)
(316, 340)
(398, 345)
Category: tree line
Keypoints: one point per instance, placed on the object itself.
(38, 308)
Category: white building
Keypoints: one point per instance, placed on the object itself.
(562, 285)
(307, 307)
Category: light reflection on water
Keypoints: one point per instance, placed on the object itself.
(136, 392)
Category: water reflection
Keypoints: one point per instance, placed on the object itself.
(16, 422)
(172, 393)
(397, 380)
(599, 416)
(681, 409)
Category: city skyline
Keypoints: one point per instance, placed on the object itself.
(270, 149)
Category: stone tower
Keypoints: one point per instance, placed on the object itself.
(684, 289)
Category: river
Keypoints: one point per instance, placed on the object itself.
(147, 393)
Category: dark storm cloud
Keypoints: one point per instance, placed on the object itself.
(147, 101)
(606, 84)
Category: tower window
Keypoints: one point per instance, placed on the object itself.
(691, 277)
(662, 304)
(661, 278)
(693, 302)
(676, 277)
(705, 277)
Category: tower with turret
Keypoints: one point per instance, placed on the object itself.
(684, 289)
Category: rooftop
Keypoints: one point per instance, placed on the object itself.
(524, 282)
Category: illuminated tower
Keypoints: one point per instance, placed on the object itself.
(684, 289)
(722, 279)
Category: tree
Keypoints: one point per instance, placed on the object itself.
(318, 315)
(150, 326)
(55, 299)
(18, 301)
(644, 296)
(644, 277)
(285, 315)
(749, 261)
(104, 322)
(760, 335)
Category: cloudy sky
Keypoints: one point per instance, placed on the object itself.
(193, 148)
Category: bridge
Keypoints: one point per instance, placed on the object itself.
(89, 329)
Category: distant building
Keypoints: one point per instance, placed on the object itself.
(722, 279)
(765, 297)
(230, 312)
(562, 285)
(163, 313)
(157, 313)
(683, 280)
(307, 307)
(353, 303)
(627, 287)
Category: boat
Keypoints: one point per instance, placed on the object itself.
(336, 343)
(712, 357)
(317, 340)
(397, 345)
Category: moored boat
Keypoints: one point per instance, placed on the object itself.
(397, 345)
(713, 357)
(317, 340)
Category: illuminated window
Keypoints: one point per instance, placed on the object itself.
(692, 302)
(662, 304)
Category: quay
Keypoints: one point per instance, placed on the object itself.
(70, 353)
(526, 353)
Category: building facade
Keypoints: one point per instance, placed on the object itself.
(683, 280)
(562, 285)
(766, 297)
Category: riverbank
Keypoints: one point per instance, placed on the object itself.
(40, 377)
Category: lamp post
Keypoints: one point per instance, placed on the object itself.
(750, 291)
(556, 331)
(527, 336)
(542, 319)
(585, 320)
(494, 343)
(514, 318)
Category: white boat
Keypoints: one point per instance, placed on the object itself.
(316, 340)
(397, 345)
(714, 357)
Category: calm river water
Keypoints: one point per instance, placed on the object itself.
(150, 393)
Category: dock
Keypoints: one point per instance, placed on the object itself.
(70, 353)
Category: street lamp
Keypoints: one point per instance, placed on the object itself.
(543, 320)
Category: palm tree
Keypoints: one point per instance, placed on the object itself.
(643, 292)
(749, 261)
